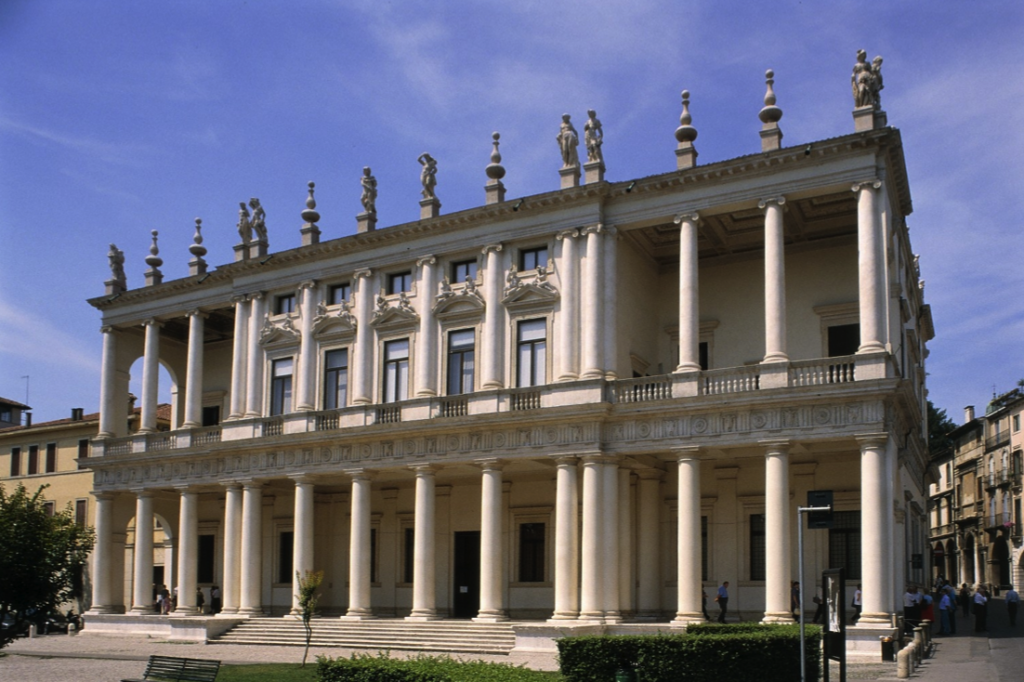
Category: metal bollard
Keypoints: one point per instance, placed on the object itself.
(905, 662)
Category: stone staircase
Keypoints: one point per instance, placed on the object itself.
(454, 636)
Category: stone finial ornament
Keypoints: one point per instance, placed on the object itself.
(771, 134)
(154, 261)
(310, 231)
(197, 266)
(568, 140)
(686, 153)
(866, 83)
(495, 188)
(593, 137)
(368, 198)
(118, 282)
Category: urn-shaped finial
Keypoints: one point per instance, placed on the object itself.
(494, 170)
(686, 132)
(154, 260)
(310, 215)
(770, 113)
(197, 249)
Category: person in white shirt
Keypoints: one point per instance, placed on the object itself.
(946, 606)
(1012, 602)
(857, 605)
(980, 610)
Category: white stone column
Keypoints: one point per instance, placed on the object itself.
(142, 584)
(689, 306)
(109, 411)
(567, 541)
(102, 555)
(232, 548)
(426, 340)
(568, 315)
(492, 558)
(648, 591)
(610, 541)
(362, 352)
(611, 294)
(876, 531)
(591, 575)
(870, 269)
(150, 378)
(302, 547)
(239, 358)
(359, 557)
(424, 589)
(188, 545)
(194, 371)
(254, 394)
(306, 393)
(592, 309)
(777, 533)
(491, 340)
(252, 550)
(624, 535)
(688, 542)
(774, 280)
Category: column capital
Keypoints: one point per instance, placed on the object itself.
(872, 439)
(496, 248)
(250, 484)
(152, 322)
(426, 260)
(300, 479)
(596, 228)
(196, 312)
(567, 234)
(566, 460)
(361, 273)
(361, 474)
(425, 469)
(490, 463)
(239, 298)
(186, 488)
(776, 447)
(692, 216)
(779, 201)
(866, 184)
(103, 495)
(141, 492)
(689, 452)
(232, 485)
(255, 295)
(306, 284)
(107, 329)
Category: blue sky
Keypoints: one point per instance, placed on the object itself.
(123, 117)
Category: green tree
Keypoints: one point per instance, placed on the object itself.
(308, 585)
(41, 559)
(939, 424)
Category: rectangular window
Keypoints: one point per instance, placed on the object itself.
(843, 339)
(461, 347)
(81, 506)
(531, 552)
(335, 379)
(409, 555)
(211, 415)
(396, 370)
(50, 508)
(281, 386)
(399, 282)
(83, 448)
(844, 543)
(1016, 423)
(757, 547)
(373, 555)
(285, 546)
(340, 293)
(15, 462)
(532, 353)
(702, 352)
(1016, 463)
(33, 460)
(284, 304)
(704, 548)
(204, 572)
(531, 259)
(51, 457)
(463, 270)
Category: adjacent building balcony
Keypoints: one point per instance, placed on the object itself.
(941, 530)
(997, 440)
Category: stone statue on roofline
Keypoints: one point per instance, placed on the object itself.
(428, 175)
(369, 195)
(866, 81)
(259, 219)
(568, 140)
(593, 137)
(244, 224)
(117, 275)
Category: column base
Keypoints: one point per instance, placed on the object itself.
(564, 616)
(358, 615)
(491, 617)
(104, 610)
(250, 612)
(423, 617)
(227, 613)
(781, 617)
(185, 612)
(683, 620)
(874, 620)
(143, 611)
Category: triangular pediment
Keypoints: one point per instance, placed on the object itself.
(530, 295)
(464, 305)
(279, 333)
(399, 314)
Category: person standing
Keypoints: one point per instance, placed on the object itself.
(704, 604)
(215, 603)
(794, 600)
(723, 601)
(1012, 603)
(980, 610)
(911, 608)
(857, 604)
(819, 611)
(965, 600)
(950, 590)
(946, 605)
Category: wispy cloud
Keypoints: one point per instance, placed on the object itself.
(22, 331)
(124, 154)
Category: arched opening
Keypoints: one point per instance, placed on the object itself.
(163, 558)
(168, 392)
(938, 562)
(952, 575)
(969, 574)
(999, 555)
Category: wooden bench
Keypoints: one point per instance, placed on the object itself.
(174, 668)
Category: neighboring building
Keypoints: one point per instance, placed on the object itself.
(976, 505)
(12, 413)
(56, 454)
(583, 405)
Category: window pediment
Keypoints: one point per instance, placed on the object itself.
(523, 295)
(279, 332)
(336, 323)
(397, 314)
(463, 304)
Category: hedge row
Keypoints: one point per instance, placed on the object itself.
(705, 654)
(383, 668)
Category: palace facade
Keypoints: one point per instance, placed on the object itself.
(587, 405)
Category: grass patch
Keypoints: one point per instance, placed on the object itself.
(267, 672)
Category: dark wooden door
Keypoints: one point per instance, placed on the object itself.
(466, 599)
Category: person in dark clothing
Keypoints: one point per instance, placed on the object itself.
(723, 601)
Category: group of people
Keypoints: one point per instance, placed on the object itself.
(918, 607)
(166, 600)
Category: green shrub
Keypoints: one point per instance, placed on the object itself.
(383, 668)
(706, 654)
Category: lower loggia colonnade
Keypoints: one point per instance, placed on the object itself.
(608, 546)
